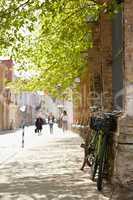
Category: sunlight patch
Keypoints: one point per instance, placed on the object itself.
(66, 196)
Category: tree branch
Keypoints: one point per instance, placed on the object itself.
(23, 5)
(7, 12)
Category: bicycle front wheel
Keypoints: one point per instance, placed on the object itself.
(94, 168)
(101, 170)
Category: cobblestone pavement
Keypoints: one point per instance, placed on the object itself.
(47, 168)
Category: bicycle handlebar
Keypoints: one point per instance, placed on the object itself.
(116, 113)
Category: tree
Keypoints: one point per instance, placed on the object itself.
(47, 37)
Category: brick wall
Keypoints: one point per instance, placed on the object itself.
(96, 81)
(99, 74)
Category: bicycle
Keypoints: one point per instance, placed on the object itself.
(89, 146)
(101, 153)
(90, 140)
(95, 145)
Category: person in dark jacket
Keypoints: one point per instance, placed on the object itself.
(38, 124)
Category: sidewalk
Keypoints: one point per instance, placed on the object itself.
(2, 132)
(10, 144)
(46, 169)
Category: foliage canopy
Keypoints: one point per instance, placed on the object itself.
(48, 38)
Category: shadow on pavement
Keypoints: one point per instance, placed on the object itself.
(48, 172)
(67, 186)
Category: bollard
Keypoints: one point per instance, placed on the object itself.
(23, 136)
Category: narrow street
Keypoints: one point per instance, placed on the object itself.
(47, 168)
(68, 62)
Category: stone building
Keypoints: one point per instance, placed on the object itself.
(11, 116)
(123, 172)
(108, 82)
(29, 104)
(6, 74)
(96, 81)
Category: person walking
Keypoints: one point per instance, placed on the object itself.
(38, 124)
(64, 121)
(51, 122)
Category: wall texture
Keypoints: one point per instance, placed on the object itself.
(124, 139)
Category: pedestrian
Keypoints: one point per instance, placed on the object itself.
(38, 124)
(60, 120)
(51, 122)
(64, 121)
(11, 125)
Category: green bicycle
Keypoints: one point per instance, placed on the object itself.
(101, 144)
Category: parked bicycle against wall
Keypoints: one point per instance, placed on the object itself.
(99, 147)
(90, 141)
(105, 127)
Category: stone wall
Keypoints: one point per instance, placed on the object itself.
(1, 95)
(96, 82)
(123, 173)
(99, 75)
(106, 61)
(95, 87)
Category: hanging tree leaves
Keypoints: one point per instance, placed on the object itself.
(47, 37)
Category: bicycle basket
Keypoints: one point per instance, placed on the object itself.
(96, 123)
(111, 123)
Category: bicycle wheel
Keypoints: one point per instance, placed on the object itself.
(102, 161)
(95, 155)
(94, 168)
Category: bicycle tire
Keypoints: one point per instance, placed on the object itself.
(101, 167)
(96, 161)
(94, 169)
